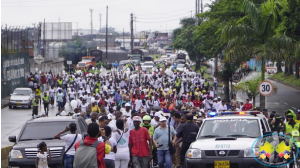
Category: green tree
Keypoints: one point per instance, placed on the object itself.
(185, 38)
(257, 38)
(249, 87)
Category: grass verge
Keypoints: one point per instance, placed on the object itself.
(156, 55)
(287, 79)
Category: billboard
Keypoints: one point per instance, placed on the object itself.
(57, 31)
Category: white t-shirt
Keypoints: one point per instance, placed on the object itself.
(83, 107)
(72, 94)
(69, 138)
(138, 104)
(43, 162)
(111, 155)
(122, 146)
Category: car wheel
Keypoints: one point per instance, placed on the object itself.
(9, 107)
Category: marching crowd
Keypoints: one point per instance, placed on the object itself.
(135, 118)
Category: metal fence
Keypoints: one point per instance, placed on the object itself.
(17, 39)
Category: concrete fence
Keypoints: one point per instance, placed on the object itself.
(4, 156)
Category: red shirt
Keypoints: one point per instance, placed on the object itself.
(138, 140)
(197, 103)
(247, 106)
(88, 141)
(43, 79)
(102, 102)
(142, 96)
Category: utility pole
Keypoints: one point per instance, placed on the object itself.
(131, 29)
(106, 31)
(100, 23)
(201, 6)
(44, 39)
(191, 14)
(123, 39)
(91, 10)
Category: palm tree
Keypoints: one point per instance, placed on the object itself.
(249, 87)
(258, 37)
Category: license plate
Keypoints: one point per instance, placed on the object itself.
(222, 164)
(18, 104)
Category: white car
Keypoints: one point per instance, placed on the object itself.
(21, 97)
(227, 139)
(147, 65)
(181, 67)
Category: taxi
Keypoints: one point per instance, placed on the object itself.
(225, 140)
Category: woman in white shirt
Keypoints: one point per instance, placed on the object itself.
(109, 159)
(121, 136)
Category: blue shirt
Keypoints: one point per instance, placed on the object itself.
(161, 137)
(118, 97)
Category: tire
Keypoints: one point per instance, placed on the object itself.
(9, 107)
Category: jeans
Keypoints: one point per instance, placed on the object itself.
(139, 162)
(216, 86)
(43, 87)
(68, 161)
(46, 108)
(109, 163)
(60, 105)
(121, 163)
(164, 159)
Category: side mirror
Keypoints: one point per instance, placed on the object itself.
(193, 135)
(12, 139)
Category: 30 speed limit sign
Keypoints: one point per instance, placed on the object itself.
(265, 88)
(236, 77)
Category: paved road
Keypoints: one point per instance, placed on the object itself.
(13, 119)
(285, 98)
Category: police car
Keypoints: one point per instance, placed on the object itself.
(225, 140)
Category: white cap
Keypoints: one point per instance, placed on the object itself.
(202, 110)
(157, 114)
(194, 118)
(167, 114)
(127, 105)
(162, 119)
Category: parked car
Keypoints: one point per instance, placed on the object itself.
(34, 131)
(21, 97)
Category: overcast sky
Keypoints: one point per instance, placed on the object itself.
(150, 14)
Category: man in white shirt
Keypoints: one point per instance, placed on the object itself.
(155, 120)
(222, 107)
(138, 104)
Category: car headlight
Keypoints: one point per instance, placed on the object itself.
(16, 154)
(248, 152)
(193, 153)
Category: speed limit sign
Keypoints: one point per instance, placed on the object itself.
(265, 88)
(236, 77)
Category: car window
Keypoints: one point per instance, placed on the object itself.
(21, 92)
(43, 130)
(230, 127)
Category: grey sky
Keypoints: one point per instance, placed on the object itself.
(150, 14)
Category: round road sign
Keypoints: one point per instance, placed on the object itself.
(236, 77)
(265, 88)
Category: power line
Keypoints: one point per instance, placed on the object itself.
(162, 21)
(65, 5)
(165, 16)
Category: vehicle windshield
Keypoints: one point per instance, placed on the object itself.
(86, 59)
(21, 92)
(230, 128)
(148, 64)
(43, 130)
(180, 65)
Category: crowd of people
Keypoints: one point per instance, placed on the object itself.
(144, 118)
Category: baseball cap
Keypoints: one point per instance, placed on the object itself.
(162, 119)
(194, 118)
(137, 118)
(199, 120)
(157, 114)
(133, 111)
(127, 105)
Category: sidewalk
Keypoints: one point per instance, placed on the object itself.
(4, 102)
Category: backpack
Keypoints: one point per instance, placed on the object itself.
(86, 156)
